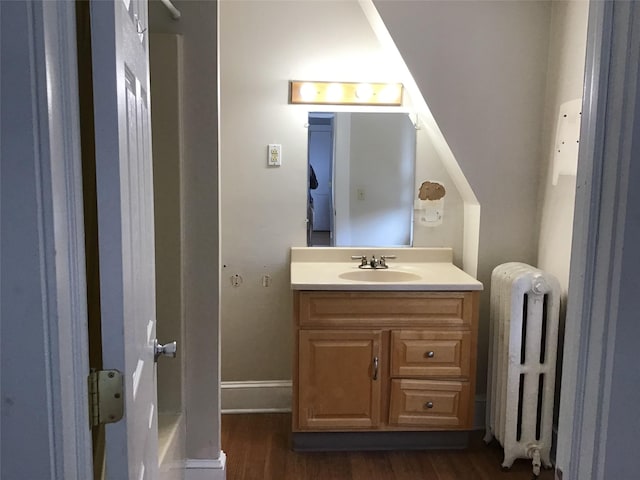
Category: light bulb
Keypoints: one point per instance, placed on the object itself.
(308, 92)
(390, 93)
(364, 91)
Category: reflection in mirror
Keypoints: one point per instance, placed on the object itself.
(361, 179)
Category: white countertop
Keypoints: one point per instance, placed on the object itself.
(429, 269)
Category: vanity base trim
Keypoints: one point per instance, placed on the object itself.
(348, 441)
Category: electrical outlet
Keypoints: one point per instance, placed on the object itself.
(274, 155)
(360, 193)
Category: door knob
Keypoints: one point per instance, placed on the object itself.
(166, 350)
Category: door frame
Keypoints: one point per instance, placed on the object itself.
(610, 121)
(52, 143)
(59, 25)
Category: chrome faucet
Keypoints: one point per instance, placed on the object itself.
(374, 263)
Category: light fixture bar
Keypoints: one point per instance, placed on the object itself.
(345, 93)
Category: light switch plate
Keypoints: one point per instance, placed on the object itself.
(274, 155)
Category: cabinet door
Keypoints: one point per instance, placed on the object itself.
(339, 379)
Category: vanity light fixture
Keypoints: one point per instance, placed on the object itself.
(345, 93)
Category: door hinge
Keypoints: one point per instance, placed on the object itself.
(106, 401)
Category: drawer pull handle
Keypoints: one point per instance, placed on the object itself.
(430, 354)
(428, 405)
(375, 368)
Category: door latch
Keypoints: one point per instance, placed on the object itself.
(166, 350)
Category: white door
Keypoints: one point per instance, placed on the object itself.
(125, 229)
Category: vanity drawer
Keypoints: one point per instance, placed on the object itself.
(342, 308)
(432, 404)
(425, 353)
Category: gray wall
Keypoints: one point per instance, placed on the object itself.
(481, 67)
(198, 27)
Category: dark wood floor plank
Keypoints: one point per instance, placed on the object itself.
(321, 465)
(443, 467)
(258, 448)
(295, 467)
(276, 438)
(370, 466)
(461, 465)
(411, 465)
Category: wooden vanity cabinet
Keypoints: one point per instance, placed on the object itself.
(384, 361)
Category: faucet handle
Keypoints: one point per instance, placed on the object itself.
(362, 258)
(383, 259)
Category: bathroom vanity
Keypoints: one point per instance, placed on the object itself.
(384, 361)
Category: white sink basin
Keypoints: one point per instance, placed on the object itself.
(380, 276)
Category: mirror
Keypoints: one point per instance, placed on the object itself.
(361, 179)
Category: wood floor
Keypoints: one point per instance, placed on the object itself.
(257, 448)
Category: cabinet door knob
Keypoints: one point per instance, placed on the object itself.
(429, 354)
(428, 405)
(375, 368)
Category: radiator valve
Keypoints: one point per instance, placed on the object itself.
(534, 454)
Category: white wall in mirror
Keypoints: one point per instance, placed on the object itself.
(374, 201)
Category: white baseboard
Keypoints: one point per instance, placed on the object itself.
(210, 469)
(256, 397)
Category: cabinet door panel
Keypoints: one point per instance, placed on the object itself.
(339, 379)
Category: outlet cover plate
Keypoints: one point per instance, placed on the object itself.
(274, 155)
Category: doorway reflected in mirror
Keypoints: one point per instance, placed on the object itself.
(321, 157)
